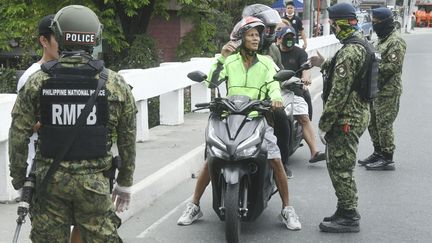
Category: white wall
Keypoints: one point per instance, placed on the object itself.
(6, 190)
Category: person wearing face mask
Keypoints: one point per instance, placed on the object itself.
(392, 48)
(292, 58)
(295, 22)
(344, 118)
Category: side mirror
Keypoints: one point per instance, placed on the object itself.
(284, 75)
(197, 76)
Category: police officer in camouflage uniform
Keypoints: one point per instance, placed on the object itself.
(385, 107)
(77, 192)
(344, 118)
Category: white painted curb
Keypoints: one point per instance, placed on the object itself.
(163, 180)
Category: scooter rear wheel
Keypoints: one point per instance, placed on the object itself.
(232, 217)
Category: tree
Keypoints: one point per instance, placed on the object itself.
(122, 19)
(214, 21)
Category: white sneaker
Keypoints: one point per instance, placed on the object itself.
(290, 218)
(191, 213)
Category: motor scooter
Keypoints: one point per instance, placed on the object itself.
(288, 130)
(242, 179)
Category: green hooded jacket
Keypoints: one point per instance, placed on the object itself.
(246, 82)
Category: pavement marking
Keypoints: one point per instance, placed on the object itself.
(158, 222)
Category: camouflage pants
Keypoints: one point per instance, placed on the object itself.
(341, 158)
(82, 200)
(384, 111)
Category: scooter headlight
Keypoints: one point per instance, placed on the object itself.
(214, 139)
(248, 147)
(219, 153)
(252, 140)
(247, 152)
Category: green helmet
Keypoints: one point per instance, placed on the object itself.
(76, 27)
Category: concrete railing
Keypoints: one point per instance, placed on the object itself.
(6, 190)
(167, 81)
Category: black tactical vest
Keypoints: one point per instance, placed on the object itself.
(62, 98)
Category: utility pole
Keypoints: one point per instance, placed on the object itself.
(307, 18)
(405, 16)
(410, 10)
(326, 25)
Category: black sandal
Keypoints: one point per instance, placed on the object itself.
(318, 157)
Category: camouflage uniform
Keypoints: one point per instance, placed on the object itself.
(344, 108)
(386, 104)
(78, 192)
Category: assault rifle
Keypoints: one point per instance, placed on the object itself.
(24, 204)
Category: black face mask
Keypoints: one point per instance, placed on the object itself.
(288, 42)
(383, 28)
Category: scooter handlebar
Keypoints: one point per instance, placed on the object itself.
(202, 105)
(293, 80)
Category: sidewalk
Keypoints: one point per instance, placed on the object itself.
(419, 30)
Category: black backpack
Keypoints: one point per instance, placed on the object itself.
(366, 84)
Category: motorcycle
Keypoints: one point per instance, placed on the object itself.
(242, 179)
(288, 130)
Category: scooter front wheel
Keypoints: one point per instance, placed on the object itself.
(232, 217)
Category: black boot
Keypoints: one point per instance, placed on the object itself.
(371, 159)
(344, 221)
(384, 163)
(336, 214)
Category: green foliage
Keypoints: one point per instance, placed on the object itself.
(26, 60)
(187, 99)
(21, 28)
(112, 32)
(8, 80)
(141, 54)
(197, 42)
(124, 19)
(213, 22)
(153, 112)
(19, 21)
(131, 7)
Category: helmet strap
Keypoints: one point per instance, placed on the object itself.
(246, 52)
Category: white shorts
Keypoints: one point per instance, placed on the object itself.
(271, 141)
(300, 106)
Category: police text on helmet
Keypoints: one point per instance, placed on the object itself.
(82, 38)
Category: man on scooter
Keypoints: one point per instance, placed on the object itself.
(292, 58)
(245, 73)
